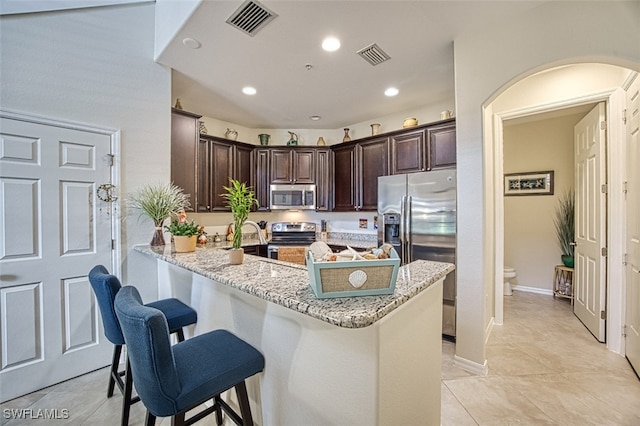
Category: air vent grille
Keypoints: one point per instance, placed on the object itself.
(374, 54)
(251, 17)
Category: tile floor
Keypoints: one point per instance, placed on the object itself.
(544, 368)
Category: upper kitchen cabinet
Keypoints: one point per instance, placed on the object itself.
(356, 170)
(262, 179)
(442, 145)
(408, 152)
(324, 179)
(185, 132)
(219, 160)
(292, 165)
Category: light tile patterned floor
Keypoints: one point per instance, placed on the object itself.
(544, 368)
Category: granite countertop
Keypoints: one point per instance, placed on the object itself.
(287, 284)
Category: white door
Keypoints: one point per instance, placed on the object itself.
(590, 219)
(52, 232)
(632, 341)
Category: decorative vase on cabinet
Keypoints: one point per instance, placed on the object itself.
(346, 137)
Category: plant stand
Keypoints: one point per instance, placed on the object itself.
(563, 282)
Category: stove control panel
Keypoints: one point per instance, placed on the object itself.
(293, 227)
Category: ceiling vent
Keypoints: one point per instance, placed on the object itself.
(374, 54)
(251, 17)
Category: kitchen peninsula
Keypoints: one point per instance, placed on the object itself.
(372, 360)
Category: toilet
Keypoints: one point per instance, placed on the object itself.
(509, 274)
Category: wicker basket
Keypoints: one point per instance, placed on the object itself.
(353, 278)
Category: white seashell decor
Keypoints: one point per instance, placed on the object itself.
(357, 278)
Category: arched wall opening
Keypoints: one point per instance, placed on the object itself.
(487, 63)
(553, 101)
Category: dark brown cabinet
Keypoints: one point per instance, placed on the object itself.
(219, 160)
(292, 165)
(356, 170)
(323, 179)
(408, 152)
(262, 179)
(184, 136)
(442, 146)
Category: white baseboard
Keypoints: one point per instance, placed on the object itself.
(471, 366)
(538, 290)
(488, 330)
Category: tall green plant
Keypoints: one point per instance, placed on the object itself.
(564, 222)
(159, 201)
(240, 199)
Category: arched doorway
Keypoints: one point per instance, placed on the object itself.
(551, 92)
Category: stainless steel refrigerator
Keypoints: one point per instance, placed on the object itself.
(417, 215)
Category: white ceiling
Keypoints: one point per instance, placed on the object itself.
(341, 87)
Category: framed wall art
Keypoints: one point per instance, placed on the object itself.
(529, 183)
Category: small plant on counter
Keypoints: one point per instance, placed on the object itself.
(181, 227)
(240, 199)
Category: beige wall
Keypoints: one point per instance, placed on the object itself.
(530, 244)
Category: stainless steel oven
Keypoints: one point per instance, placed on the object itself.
(290, 235)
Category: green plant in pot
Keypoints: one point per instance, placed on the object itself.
(240, 199)
(159, 202)
(565, 227)
(185, 234)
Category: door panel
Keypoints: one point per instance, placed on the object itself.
(53, 230)
(632, 340)
(590, 217)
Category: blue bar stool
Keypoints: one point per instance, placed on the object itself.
(172, 380)
(177, 314)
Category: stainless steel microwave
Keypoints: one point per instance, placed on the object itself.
(293, 197)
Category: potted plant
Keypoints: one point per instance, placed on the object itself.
(159, 202)
(240, 199)
(565, 229)
(185, 234)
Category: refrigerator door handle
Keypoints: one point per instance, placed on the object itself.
(408, 255)
(403, 235)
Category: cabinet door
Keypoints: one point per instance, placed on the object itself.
(242, 170)
(221, 169)
(202, 202)
(442, 147)
(185, 134)
(324, 171)
(374, 162)
(303, 166)
(261, 158)
(344, 184)
(281, 166)
(408, 153)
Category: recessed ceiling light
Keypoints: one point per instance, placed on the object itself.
(315, 117)
(191, 43)
(249, 90)
(391, 91)
(331, 44)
